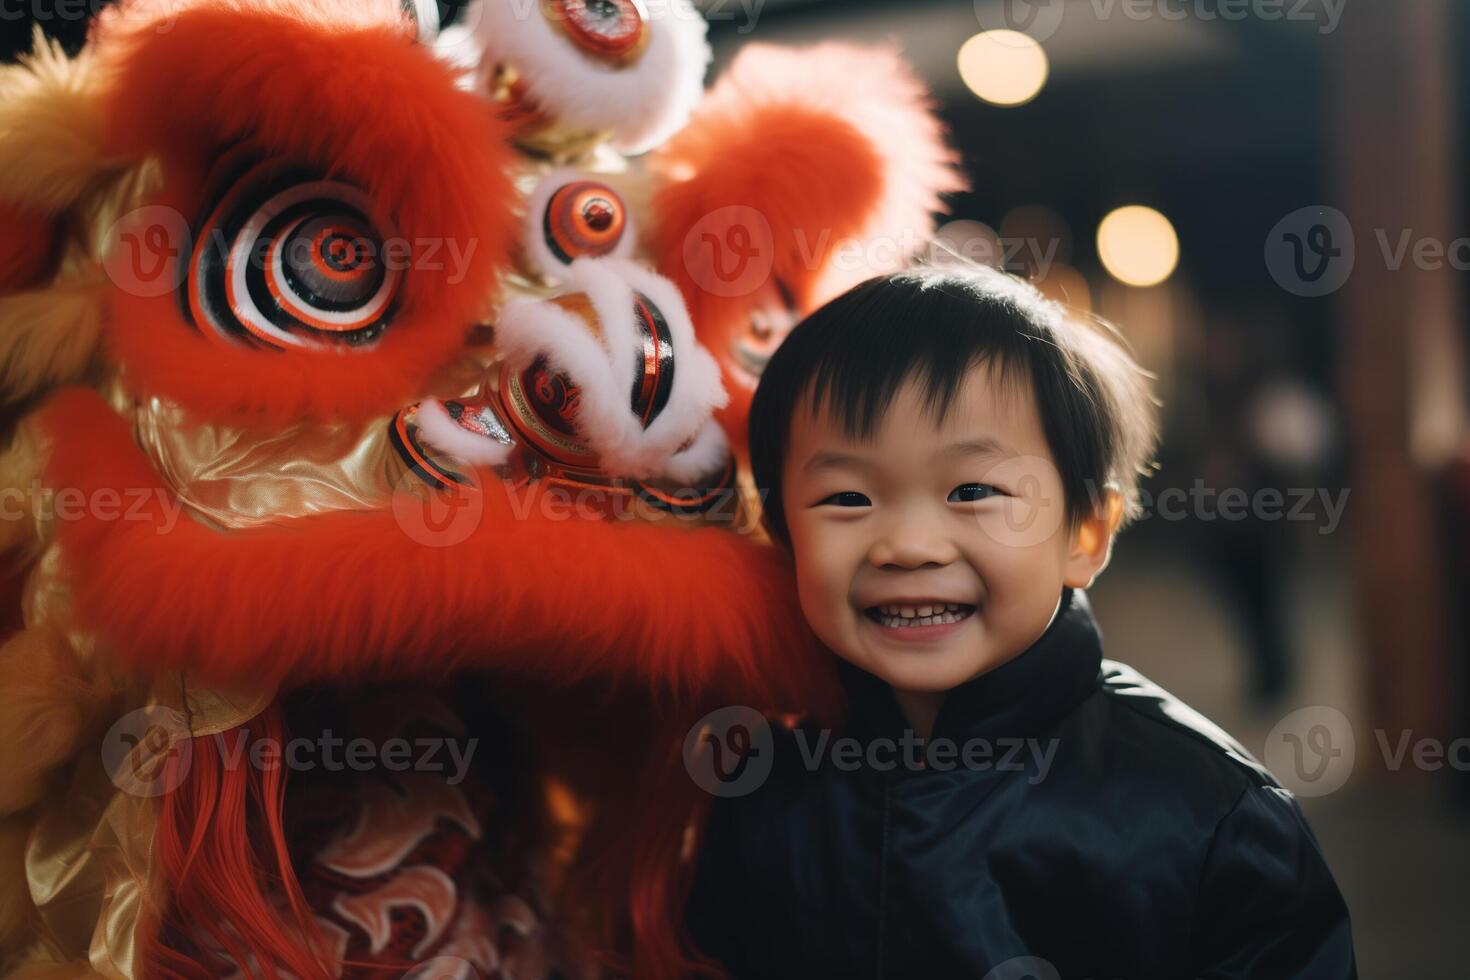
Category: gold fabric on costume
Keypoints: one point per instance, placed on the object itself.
(234, 478)
(89, 864)
(231, 477)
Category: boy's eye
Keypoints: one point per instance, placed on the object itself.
(968, 493)
(848, 498)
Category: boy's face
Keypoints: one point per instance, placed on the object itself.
(938, 550)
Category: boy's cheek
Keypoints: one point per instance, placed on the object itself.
(825, 613)
(824, 584)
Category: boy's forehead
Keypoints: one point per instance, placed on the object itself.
(986, 404)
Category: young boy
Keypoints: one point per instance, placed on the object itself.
(948, 460)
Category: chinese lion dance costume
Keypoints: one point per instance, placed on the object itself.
(368, 384)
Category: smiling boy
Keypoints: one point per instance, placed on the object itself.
(948, 459)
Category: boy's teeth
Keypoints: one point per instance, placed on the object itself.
(930, 615)
(933, 609)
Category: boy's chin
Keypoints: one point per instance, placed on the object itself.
(942, 672)
(934, 670)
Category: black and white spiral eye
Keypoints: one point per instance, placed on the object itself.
(287, 260)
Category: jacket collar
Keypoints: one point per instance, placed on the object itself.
(1021, 698)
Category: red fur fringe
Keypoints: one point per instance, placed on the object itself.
(220, 838)
(353, 596)
(353, 95)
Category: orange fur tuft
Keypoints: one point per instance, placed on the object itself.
(342, 88)
(811, 177)
(828, 145)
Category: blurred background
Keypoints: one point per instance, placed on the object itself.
(1264, 195)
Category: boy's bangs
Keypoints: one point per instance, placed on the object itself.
(926, 331)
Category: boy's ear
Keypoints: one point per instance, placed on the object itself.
(1092, 542)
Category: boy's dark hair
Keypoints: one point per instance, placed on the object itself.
(853, 355)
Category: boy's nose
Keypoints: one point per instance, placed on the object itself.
(911, 545)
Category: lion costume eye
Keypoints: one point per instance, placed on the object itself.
(615, 31)
(584, 219)
(287, 260)
(571, 216)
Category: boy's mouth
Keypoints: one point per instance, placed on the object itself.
(924, 614)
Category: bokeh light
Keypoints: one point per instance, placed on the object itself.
(1004, 68)
(1138, 246)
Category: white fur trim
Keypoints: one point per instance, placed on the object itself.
(604, 370)
(704, 457)
(425, 17)
(456, 46)
(641, 104)
(545, 261)
(443, 434)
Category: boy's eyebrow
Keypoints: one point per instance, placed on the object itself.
(828, 458)
(983, 446)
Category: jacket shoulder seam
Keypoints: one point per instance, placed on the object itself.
(1253, 775)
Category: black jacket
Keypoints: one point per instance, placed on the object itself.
(1148, 845)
